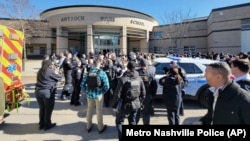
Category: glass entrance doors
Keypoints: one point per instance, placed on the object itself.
(106, 42)
(106, 50)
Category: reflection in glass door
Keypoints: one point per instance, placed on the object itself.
(106, 42)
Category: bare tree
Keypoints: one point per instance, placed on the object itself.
(177, 27)
(23, 16)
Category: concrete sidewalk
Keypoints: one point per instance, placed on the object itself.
(22, 125)
(31, 67)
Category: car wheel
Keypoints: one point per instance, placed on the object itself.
(203, 97)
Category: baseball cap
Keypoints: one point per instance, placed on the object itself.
(131, 65)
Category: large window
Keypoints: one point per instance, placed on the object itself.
(173, 50)
(157, 49)
(190, 68)
(43, 50)
(190, 50)
(245, 24)
(53, 33)
(156, 35)
(104, 42)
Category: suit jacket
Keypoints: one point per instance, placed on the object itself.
(232, 106)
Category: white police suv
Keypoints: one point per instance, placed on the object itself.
(195, 71)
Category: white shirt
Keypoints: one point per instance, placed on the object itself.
(216, 95)
(243, 77)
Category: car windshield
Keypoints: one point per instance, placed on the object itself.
(190, 68)
(160, 67)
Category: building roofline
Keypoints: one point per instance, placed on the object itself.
(193, 20)
(230, 7)
(16, 19)
(101, 6)
(196, 19)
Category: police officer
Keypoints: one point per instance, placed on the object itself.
(108, 68)
(182, 72)
(120, 99)
(67, 70)
(47, 77)
(172, 94)
(117, 71)
(77, 75)
(147, 74)
(83, 62)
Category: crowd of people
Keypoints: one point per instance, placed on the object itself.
(128, 86)
(113, 73)
(229, 92)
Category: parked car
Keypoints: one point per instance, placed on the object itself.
(195, 70)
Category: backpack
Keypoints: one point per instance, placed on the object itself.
(93, 81)
(132, 89)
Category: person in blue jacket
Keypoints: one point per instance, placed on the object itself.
(95, 97)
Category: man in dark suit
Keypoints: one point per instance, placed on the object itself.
(240, 69)
(229, 103)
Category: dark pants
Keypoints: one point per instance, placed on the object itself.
(46, 102)
(108, 97)
(66, 90)
(68, 84)
(121, 115)
(173, 116)
(182, 104)
(75, 94)
(146, 111)
(182, 108)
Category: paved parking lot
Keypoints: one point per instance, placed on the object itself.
(22, 125)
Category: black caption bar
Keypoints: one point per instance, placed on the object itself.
(162, 132)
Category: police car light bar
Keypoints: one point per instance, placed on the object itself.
(174, 58)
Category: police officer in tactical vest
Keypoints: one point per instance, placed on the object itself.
(128, 97)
